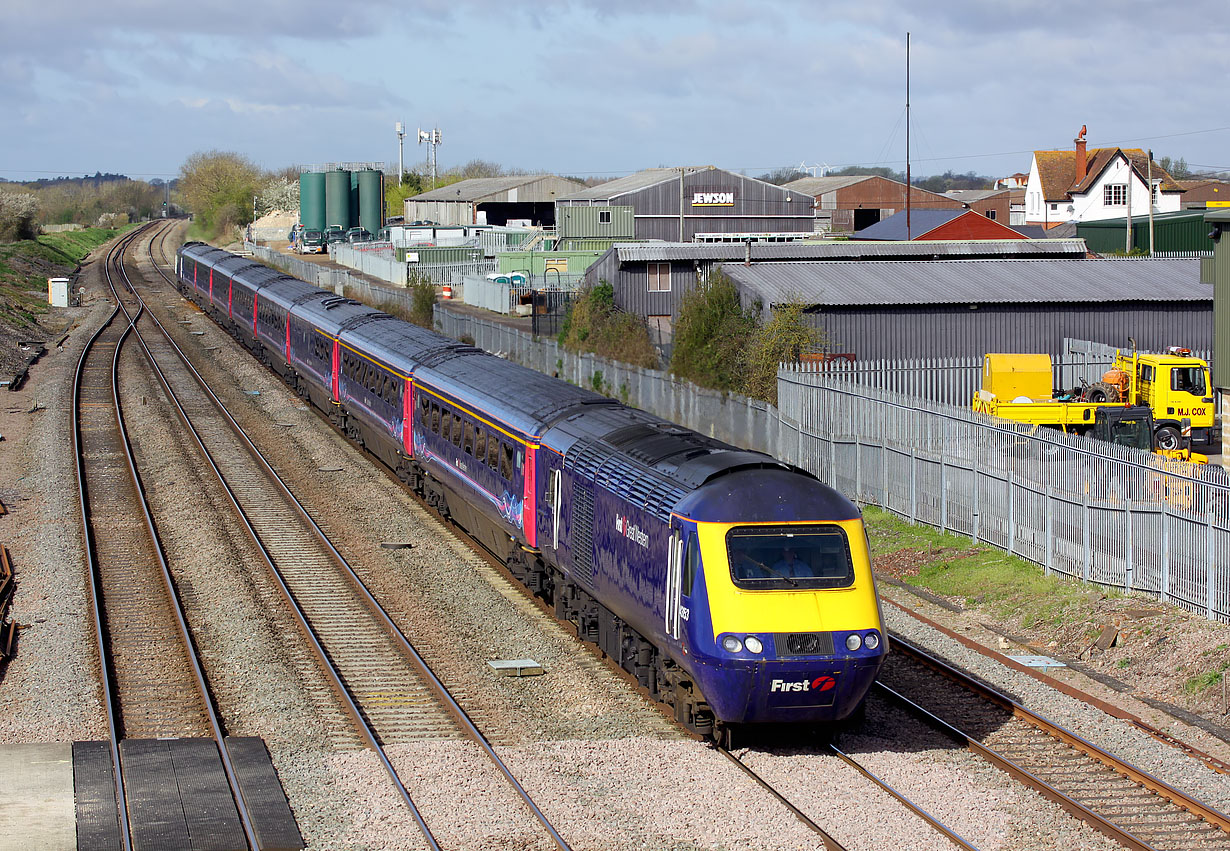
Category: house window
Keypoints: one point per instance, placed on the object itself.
(990, 214)
(1054, 207)
(604, 217)
(1114, 194)
(659, 277)
(1153, 194)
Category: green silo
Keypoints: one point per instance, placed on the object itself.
(337, 199)
(371, 200)
(312, 200)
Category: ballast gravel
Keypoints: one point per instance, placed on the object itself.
(608, 768)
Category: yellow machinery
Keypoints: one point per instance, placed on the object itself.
(1174, 386)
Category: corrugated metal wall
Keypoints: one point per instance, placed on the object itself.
(441, 212)
(1188, 233)
(582, 222)
(955, 331)
(756, 207)
(1221, 312)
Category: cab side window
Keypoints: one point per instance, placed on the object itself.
(691, 564)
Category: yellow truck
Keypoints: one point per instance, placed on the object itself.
(1174, 386)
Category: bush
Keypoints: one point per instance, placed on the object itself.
(422, 299)
(17, 212)
(594, 324)
(712, 334)
(783, 338)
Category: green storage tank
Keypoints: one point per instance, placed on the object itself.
(337, 199)
(371, 200)
(312, 200)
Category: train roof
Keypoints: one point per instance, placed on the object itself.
(257, 275)
(287, 291)
(333, 313)
(204, 252)
(521, 397)
(648, 460)
(766, 495)
(401, 345)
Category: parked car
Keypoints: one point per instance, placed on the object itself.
(355, 235)
(312, 242)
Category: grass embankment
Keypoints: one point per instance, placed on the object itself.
(1008, 588)
(26, 265)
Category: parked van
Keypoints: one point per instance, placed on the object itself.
(312, 242)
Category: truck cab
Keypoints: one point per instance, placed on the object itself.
(1176, 386)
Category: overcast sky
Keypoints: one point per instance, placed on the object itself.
(607, 87)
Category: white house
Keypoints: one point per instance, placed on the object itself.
(1087, 185)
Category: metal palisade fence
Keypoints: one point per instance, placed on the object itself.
(1107, 514)
(955, 380)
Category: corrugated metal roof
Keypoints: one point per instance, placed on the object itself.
(633, 252)
(817, 186)
(969, 196)
(633, 182)
(974, 281)
(478, 188)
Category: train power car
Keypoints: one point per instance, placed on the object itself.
(735, 588)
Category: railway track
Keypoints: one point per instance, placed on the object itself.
(1123, 802)
(387, 689)
(152, 681)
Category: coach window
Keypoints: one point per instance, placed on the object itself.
(480, 444)
(467, 444)
(493, 452)
(435, 418)
(506, 462)
(446, 424)
(456, 429)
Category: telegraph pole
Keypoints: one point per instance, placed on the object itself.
(908, 235)
(1149, 169)
(401, 137)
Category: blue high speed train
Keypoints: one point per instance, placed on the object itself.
(736, 588)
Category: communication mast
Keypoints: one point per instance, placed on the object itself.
(433, 139)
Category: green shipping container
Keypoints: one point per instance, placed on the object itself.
(337, 200)
(371, 200)
(312, 200)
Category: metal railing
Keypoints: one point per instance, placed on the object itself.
(1107, 514)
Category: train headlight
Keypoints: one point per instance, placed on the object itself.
(731, 644)
(872, 640)
(753, 644)
(854, 641)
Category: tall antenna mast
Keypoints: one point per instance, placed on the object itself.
(908, 235)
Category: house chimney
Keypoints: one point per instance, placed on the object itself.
(1082, 160)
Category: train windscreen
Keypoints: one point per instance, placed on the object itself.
(789, 557)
